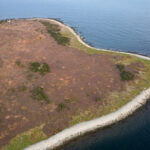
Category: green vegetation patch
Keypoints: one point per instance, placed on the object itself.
(42, 68)
(39, 94)
(18, 62)
(124, 75)
(25, 139)
(120, 67)
(81, 116)
(61, 106)
(54, 31)
(97, 99)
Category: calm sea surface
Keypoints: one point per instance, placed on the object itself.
(122, 25)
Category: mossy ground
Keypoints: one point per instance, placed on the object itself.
(54, 31)
(39, 94)
(27, 138)
(42, 68)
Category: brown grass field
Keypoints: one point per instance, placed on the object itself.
(77, 86)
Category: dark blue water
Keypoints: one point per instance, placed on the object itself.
(112, 24)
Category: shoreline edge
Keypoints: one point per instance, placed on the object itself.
(80, 129)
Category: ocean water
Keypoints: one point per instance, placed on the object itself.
(122, 25)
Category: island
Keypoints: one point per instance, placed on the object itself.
(51, 80)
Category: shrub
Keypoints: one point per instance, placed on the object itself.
(34, 66)
(97, 99)
(37, 67)
(39, 94)
(44, 68)
(126, 75)
(61, 107)
(54, 31)
(120, 67)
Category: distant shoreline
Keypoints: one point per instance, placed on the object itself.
(81, 39)
(85, 127)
